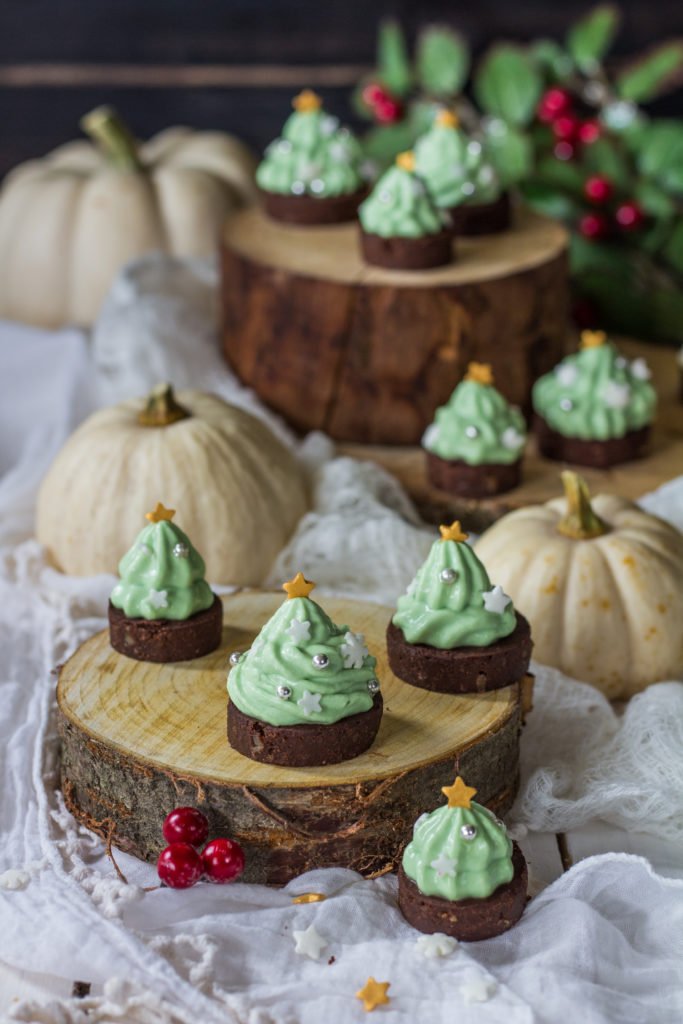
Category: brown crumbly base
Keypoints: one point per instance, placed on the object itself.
(471, 919)
(457, 476)
(481, 218)
(306, 209)
(597, 454)
(461, 669)
(166, 639)
(408, 253)
(302, 746)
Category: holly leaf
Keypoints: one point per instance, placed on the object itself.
(509, 150)
(652, 74)
(661, 154)
(589, 258)
(442, 61)
(393, 63)
(553, 59)
(549, 201)
(604, 157)
(561, 174)
(590, 38)
(508, 84)
(673, 250)
(653, 199)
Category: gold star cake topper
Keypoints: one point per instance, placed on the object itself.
(447, 119)
(459, 795)
(373, 993)
(406, 160)
(306, 102)
(480, 373)
(298, 587)
(160, 513)
(593, 339)
(453, 532)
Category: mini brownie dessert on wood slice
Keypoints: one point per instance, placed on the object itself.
(312, 174)
(401, 227)
(474, 446)
(306, 692)
(453, 632)
(595, 408)
(162, 609)
(461, 874)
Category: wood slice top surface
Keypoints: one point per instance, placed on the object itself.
(174, 716)
(333, 252)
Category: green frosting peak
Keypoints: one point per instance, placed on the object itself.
(162, 576)
(455, 168)
(399, 206)
(476, 425)
(451, 602)
(302, 668)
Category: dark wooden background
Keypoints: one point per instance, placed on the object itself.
(234, 64)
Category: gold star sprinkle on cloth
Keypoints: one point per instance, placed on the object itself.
(373, 993)
(480, 373)
(298, 587)
(459, 795)
(309, 897)
(160, 513)
(593, 339)
(453, 532)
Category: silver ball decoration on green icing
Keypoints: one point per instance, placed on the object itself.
(284, 692)
(448, 575)
(320, 661)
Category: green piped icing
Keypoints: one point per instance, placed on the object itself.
(465, 868)
(455, 168)
(278, 658)
(399, 206)
(476, 425)
(596, 394)
(448, 615)
(157, 583)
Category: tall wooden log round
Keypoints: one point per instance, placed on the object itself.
(367, 354)
(139, 739)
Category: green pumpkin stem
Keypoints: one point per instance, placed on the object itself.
(579, 521)
(113, 137)
(161, 408)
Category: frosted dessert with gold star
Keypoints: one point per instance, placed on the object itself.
(453, 631)
(162, 608)
(595, 408)
(306, 692)
(461, 874)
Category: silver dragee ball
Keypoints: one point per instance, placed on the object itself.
(472, 431)
(284, 692)
(320, 661)
(373, 686)
(235, 657)
(468, 831)
(566, 404)
(181, 550)
(448, 575)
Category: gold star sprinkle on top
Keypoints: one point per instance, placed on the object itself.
(406, 160)
(306, 102)
(593, 339)
(373, 993)
(298, 587)
(160, 513)
(447, 119)
(453, 532)
(309, 897)
(459, 795)
(480, 373)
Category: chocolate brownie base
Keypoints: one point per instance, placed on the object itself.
(302, 746)
(461, 669)
(457, 476)
(471, 919)
(166, 639)
(481, 218)
(305, 209)
(597, 454)
(408, 253)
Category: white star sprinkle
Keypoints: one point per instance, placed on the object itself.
(478, 989)
(567, 374)
(308, 942)
(14, 879)
(299, 630)
(431, 435)
(511, 438)
(141, 546)
(329, 124)
(354, 650)
(616, 396)
(495, 600)
(640, 369)
(158, 598)
(444, 865)
(309, 703)
(438, 944)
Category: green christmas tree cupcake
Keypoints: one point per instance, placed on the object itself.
(461, 874)
(595, 408)
(312, 174)
(460, 179)
(400, 225)
(474, 446)
(306, 692)
(453, 631)
(162, 608)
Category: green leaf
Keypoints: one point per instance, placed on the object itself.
(549, 201)
(507, 84)
(653, 238)
(598, 257)
(590, 39)
(442, 61)
(553, 59)
(393, 63)
(661, 155)
(652, 74)
(654, 200)
(510, 152)
(673, 250)
(604, 157)
(561, 174)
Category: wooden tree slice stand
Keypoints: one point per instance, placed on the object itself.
(367, 354)
(139, 739)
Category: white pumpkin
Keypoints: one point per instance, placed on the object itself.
(237, 490)
(70, 221)
(601, 585)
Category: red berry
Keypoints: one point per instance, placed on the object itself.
(180, 866)
(629, 216)
(597, 188)
(553, 102)
(565, 127)
(589, 132)
(223, 860)
(185, 825)
(387, 110)
(593, 226)
(565, 150)
(373, 93)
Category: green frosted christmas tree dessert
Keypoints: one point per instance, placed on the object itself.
(461, 874)
(474, 446)
(453, 631)
(162, 608)
(306, 692)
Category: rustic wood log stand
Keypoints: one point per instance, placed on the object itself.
(139, 739)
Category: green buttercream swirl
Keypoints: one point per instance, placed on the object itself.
(595, 394)
(500, 427)
(158, 584)
(314, 156)
(455, 168)
(448, 615)
(399, 206)
(278, 658)
(465, 868)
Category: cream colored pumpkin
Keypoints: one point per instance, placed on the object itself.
(604, 599)
(70, 221)
(237, 490)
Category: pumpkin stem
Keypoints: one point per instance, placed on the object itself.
(113, 137)
(580, 521)
(161, 408)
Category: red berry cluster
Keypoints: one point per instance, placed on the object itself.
(384, 107)
(597, 224)
(556, 109)
(180, 865)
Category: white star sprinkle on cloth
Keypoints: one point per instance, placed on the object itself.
(308, 942)
(438, 944)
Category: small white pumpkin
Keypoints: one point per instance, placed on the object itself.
(238, 491)
(601, 585)
(69, 221)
